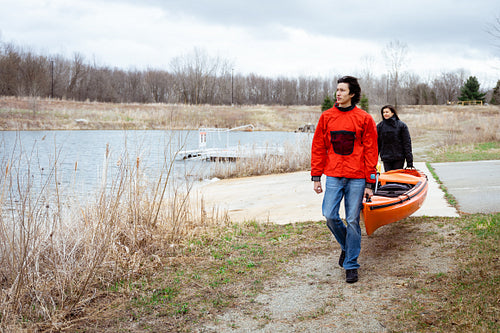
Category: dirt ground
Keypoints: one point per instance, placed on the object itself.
(314, 297)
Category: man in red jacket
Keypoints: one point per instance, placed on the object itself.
(344, 148)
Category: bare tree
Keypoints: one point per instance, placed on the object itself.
(59, 75)
(198, 78)
(33, 77)
(76, 76)
(197, 74)
(135, 88)
(416, 92)
(495, 31)
(10, 61)
(395, 53)
(368, 80)
(447, 86)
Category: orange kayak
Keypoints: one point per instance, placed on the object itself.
(399, 194)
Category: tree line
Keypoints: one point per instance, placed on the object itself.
(198, 78)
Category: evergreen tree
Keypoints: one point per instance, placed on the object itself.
(327, 104)
(363, 103)
(495, 98)
(470, 91)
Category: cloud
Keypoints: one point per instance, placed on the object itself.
(265, 37)
(422, 20)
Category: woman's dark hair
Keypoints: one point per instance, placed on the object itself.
(354, 87)
(390, 107)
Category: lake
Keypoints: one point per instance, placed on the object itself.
(79, 156)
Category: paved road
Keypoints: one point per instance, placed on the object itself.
(286, 198)
(475, 185)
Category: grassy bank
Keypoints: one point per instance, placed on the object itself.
(465, 299)
(481, 151)
(46, 114)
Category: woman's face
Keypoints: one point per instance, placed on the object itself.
(387, 113)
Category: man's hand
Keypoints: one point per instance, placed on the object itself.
(317, 187)
(368, 192)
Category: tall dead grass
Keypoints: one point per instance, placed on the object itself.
(295, 157)
(58, 256)
(453, 125)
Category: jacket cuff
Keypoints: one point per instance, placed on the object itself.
(316, 178)
(371, 186)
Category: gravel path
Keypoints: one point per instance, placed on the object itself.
(313, 295)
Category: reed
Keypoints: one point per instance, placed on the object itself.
(58, 254)
(295, 157)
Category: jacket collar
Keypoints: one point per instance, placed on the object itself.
(349, 108)
(391, 121)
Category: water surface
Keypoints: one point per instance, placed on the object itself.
(79, 157)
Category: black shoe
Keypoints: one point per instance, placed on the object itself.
(351, 275)
(342, 258)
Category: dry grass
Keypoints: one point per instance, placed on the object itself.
(46, 114)
(58, 258)
(294, 158)
(219, 270)
(452, 125)
(431, 126)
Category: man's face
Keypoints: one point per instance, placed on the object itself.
(343, 96)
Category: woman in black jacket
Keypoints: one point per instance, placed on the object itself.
(394, 142)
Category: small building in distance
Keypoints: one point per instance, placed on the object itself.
(307, 128)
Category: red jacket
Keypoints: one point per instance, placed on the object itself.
(345, 145)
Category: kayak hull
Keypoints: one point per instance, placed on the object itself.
(401, 193)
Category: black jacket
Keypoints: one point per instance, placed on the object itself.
(394, 142)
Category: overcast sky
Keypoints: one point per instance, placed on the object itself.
(266, 37)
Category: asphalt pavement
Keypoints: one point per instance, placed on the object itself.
(475, 185)
(287, 198)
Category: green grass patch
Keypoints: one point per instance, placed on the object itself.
(449, 197)
(467, 152)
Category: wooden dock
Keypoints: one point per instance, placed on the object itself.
(229, 154)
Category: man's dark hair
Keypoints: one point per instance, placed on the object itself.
(354, 87)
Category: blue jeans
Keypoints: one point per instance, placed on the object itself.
(348, 235)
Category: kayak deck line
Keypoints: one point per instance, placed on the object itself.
(407, 195)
